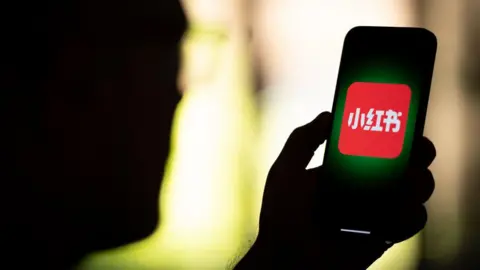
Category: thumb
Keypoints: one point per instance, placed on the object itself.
(302, 143)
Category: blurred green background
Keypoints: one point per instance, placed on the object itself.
(253, 71)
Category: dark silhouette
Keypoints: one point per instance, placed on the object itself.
(298, 222)
(88, 91)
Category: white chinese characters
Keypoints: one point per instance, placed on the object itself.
(375, 120)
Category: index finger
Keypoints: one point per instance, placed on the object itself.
(423, 153)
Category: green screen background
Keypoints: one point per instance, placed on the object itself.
(382, 55)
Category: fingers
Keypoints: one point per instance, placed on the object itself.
(420, 185)
(423, 153)
(302, 143)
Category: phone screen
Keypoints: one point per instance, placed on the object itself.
(380, 104)
(379, 110)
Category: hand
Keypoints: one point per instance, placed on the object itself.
(290, 237)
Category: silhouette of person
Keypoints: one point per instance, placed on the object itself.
(88, 91)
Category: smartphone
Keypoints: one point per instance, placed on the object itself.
(379, 111)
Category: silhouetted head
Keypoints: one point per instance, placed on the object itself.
(88, 95)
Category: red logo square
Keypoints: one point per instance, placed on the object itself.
(374, 120)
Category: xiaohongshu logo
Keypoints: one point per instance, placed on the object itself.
(374, 120)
